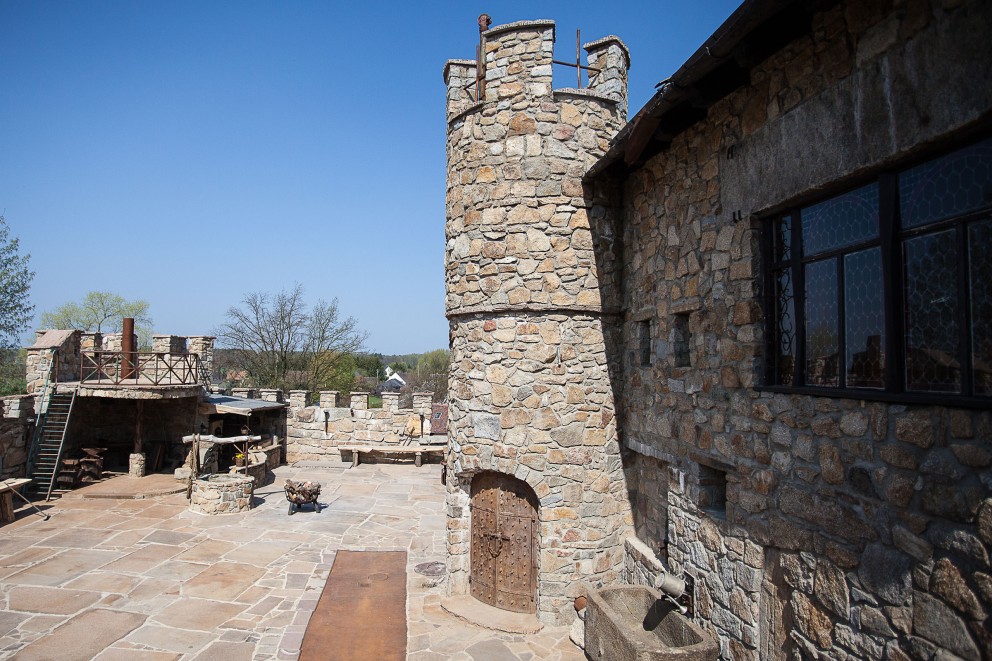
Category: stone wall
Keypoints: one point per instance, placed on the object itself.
(530, 276)
(315, 432)
(534, 420)
(520, 230)
(850, 529)
(15, 435)
(39, 362)
(203, 346)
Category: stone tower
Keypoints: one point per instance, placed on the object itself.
(530, 281)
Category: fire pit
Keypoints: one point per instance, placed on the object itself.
(301, 493)
(222, 494)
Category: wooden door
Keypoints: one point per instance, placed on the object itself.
(504, 543)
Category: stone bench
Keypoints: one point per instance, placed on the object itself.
(417, 450)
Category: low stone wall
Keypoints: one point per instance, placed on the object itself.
(15, 435)
(273, 455)
(315, 432)
(222, 494)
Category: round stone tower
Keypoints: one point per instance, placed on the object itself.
(536, 502)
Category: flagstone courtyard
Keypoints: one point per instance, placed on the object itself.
(146, 579)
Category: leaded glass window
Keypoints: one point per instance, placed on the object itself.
(887, 287)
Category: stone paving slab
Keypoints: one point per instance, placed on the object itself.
(83, 637)
(54, 601)
(160, 583)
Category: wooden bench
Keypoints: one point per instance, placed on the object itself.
(417, 450)
(7, 489)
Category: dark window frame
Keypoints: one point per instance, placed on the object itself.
(644, 352)
(890, 240)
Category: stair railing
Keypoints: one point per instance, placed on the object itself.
(58, 457)
(41, 409)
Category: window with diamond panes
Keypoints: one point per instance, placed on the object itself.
(887, 288)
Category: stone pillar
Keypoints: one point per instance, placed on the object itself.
(360, 401)
(611, 57)
(530, 291)
(329, 399)
(247, 393)
(270, 394)
(298, 399)
(457, 76)
(90, 342)
(203, 346)
(136, 465)
(38, 366)
(113, 341)
(168, 344)
(391, 401)
(422, 403)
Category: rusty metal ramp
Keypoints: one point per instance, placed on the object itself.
(361, 613)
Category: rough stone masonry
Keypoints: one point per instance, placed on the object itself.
(530, 387)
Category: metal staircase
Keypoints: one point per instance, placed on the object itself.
(51, 438)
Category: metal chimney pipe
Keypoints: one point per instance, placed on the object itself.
(127, 348)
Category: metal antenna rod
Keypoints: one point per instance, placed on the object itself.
(578, 59)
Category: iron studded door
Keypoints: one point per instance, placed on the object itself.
(504, 543)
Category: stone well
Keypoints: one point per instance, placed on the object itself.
(222, 493)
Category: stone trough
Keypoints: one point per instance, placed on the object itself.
(634, 623)
(222, 493)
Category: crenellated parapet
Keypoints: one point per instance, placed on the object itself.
(519, 233)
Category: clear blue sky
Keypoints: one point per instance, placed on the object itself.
(189, 152)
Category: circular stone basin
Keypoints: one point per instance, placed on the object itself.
(222, 493)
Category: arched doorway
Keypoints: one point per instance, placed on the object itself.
(504, 543)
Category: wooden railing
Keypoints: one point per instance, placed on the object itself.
(140, 368)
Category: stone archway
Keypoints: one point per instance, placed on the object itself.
(504, 547)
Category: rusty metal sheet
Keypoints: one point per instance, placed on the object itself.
(361, 613)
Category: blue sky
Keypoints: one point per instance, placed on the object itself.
(188, 152)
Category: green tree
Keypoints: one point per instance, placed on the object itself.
(280, 343)
(432, 374)
(370, 364)
(101, 312)
(15, 282)
(342, 377)
(12, 368)
(434, 362)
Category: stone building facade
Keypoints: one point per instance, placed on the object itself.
(531, 402)
(826, 504)
(817, 523)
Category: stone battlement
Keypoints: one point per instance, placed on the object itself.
(521, 224)
(519, 67)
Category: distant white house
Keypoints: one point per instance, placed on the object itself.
(394, 381)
